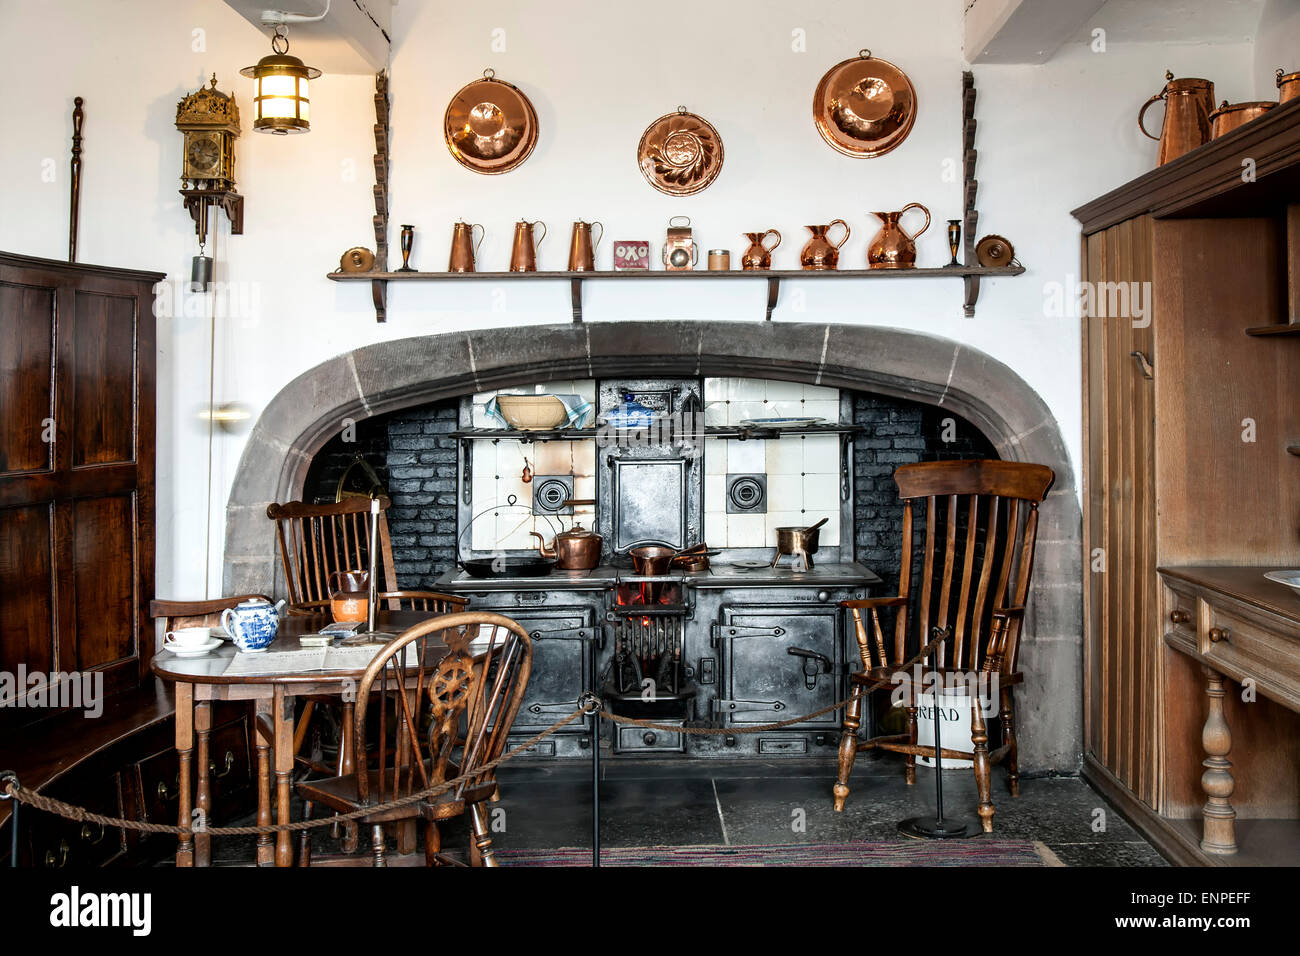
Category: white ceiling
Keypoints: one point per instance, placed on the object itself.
(351, 39)
(1176, 21)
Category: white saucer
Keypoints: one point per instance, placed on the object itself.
(1291, 578)
(210, 645)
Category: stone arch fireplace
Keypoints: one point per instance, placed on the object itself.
(401, 373)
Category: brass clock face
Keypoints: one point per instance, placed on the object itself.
(203, 155)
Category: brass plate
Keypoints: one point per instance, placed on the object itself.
(993, 251)
(864, 106)
(680, 153)
(357, 259)
(490, 126)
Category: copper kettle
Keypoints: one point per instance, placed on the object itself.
(1188, 105)
(892, 247)
(574, 550)
(819, 253)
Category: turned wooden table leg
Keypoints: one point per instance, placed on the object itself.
(203, 791)
(185, 751)
(261, 730)
(848, 748)
(1220, 832)
(282, 719)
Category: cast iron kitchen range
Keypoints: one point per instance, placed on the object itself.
(661, 625)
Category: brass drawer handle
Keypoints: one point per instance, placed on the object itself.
(169, 793)
(1179, 616)
(230, 764)
(86, 831)
(55, 862)
(1218, 634)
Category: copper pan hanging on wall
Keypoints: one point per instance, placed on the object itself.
(864, 106)
(680, 153)
(490, 125)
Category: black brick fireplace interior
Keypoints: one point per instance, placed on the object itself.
(416, 461)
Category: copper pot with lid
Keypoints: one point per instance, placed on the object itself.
(574, 550)
(1288, 85)
(1230, 116)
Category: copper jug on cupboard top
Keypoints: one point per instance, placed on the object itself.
(1188, 104)
(1288, 85)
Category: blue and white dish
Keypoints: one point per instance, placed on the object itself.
(252, 624)
(1291, 578)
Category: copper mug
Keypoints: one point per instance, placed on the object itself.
(582, 252)
(463, 246)
(759, 256)
(1230, 116)
(819, 253)
(523, 252)
(1188, 105)
(1288, 85)
(893, 247)
(350, 595)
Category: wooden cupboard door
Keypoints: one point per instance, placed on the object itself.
(1122, 641)
(26, 387)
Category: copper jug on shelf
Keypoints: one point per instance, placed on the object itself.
(1288, 85)
(759, 256)
(1188, 104)
(892, 247)
(819, 253)
(582, 251)
(463, 246)
(523, 251)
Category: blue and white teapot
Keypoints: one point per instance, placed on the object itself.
(252, 624)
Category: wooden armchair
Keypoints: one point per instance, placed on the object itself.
(480, 685)
(984, 517)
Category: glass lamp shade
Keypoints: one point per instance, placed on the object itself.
(280, 101)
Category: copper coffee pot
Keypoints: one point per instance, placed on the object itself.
(892, 247)
(523, 252)
(1188, 105)
(819, 253)
(759, 256)
(1288, 85)
(582, 251)
(463, 246)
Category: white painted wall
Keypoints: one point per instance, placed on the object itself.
(1050, 138)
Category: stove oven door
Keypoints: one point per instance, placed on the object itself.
(563, 664)
(763, 682)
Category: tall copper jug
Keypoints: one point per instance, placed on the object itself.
(582, 252)
(819, 253)
(893, 247)
(1188, 105)
(523, 251)
(759, 255)
(463, 246)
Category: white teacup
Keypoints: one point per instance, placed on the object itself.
(188, 637)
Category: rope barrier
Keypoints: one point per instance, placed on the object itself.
(10, 786)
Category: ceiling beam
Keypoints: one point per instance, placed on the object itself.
(1022, 31)
(353, 37)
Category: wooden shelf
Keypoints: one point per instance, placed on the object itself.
(969, 274)
(1282, 328)
(739, 432)
(1211, 180)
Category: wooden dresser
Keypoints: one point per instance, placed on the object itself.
(1191, 367)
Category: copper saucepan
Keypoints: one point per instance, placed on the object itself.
(798, 541)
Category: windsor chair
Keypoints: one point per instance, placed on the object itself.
(473, 694)
(981, 523)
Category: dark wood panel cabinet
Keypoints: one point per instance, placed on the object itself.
(77, 422)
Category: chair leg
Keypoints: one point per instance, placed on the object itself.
(304, 838)
(377, 844)
(979, 736)
(1008, 715)
(482, 839)
(432, 843)
(909, 766)
(848, 747)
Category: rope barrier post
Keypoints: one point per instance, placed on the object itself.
(9, 784)
(939, 828)
(591, 703)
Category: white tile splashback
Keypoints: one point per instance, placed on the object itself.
(802, 471)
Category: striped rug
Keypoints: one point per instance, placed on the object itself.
(977, 852)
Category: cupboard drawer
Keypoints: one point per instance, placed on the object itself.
(58, 842)
(1244, 645)
(1180, 613)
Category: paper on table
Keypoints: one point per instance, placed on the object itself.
(276, 662)
(356, 658)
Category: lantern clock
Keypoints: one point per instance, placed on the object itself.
(209, 120)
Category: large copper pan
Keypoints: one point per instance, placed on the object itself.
(864, 106)
(490, 125)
